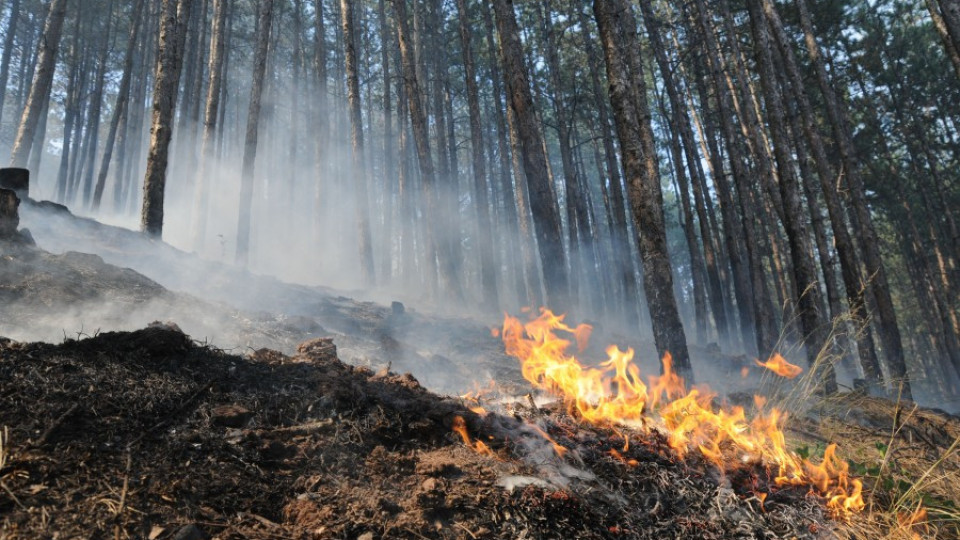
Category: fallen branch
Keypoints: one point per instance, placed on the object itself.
(53, 427)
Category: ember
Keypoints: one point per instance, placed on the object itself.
(614, 394)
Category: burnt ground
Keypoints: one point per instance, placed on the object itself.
(148, 435)
(156, 434)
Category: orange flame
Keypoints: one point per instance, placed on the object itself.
(914, 520)
(780, 366)
(460, 427)
(614, 394)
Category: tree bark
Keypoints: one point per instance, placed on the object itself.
(488, 278)
(863, 222)
(42, 83)
(166, 86)
(418, 118)
(946, 20)
(203, 178)
(543, 202)
(806, 283)
(846, 251)
(264, 25)
(120, 107)
(632, 118)
(7, 52)
(356, 139)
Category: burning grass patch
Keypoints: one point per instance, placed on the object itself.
(148, 435)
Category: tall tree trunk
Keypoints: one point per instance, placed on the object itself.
(120, 108)
(863, 222)
(806, 282)
(203, 179)
(488, 278)
(96, 101)
(42, 83)
(513, 221)
(418, 118)
(680, 124)
(166, 86)
(356, 139)
(14, 19)
(846, 251)
(740, 236)
(632, 117)
(322, 117)
(543, 202)
(616, 205)
(264, 25)
(389, 167)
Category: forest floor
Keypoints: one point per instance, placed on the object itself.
(153, 434)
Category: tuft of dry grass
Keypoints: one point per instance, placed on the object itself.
(908, 457)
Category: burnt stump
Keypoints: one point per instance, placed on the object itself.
(9, 216)
(15, 179)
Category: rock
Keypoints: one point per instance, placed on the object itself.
(9, 216)
(397, 308)
(189, 532)
(26, 237)
(165, 325)
(318, 349)
(234, 416)
(366, 536)
(15, 179)
(51, 206)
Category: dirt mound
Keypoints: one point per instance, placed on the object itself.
(147, 435)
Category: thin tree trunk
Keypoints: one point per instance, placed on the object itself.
(846, 251)
(806, 283)
(96, 101)
(488, 279)
(946, 20)
(120, 108)
(740, 236)
(632, 118)
(264, 24)
(166, 86)
(42, 83)
(14, 19)
(542, 199)
(449, 280)
(863, 224)
(204, 178)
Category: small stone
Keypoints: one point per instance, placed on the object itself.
(366, 536)
(397, 308)
(189, 532)
(234, 416)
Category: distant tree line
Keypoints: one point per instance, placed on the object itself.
(769, 172)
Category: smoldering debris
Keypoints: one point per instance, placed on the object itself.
(321, 450)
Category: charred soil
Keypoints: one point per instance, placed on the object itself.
(148, 435)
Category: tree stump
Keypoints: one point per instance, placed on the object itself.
(16, 179)
(9, 217)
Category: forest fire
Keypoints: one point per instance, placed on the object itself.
(615, 395)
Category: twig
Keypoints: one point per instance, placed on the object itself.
(123, 497)
(261, 519)
(468, 530)
(301, 429)
(12, 496)
(53, 427)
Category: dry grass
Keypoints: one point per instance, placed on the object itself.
(908, 457)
